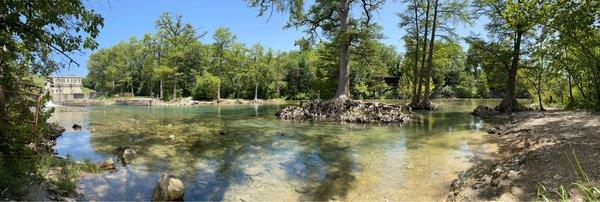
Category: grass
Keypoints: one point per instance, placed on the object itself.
(18, 174)
(589, 191)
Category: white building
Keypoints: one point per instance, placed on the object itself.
(65, 88)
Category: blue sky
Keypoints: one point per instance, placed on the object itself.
(126, 18)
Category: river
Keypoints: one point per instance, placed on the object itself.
(243, 152)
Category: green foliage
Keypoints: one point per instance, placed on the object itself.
(33, 35)
(29, 46)
(206, 87)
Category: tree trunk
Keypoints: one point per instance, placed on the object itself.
(344, 76)
(175, 90)
(539, 89)
(570, 90)
(219, 92)
(161, 89)
(256, 91)
(2, 100)
(416, 65)
(425, 104)
(277, 92)
(424, 55)
(509, 103)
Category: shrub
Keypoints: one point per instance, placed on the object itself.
(206, 87)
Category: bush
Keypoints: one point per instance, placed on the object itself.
(361, 91)
(301, 96)
(206, 87)
(447, 91)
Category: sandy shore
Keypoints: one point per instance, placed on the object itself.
(537, 149)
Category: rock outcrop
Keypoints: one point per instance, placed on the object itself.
(347, 110)
(168, 188)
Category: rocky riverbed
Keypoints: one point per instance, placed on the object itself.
(538, 153)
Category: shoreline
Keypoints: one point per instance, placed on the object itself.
(157, 102)
(537, 150)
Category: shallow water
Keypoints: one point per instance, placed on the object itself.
(245, 153)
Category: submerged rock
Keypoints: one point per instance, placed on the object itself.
(107, 164)
(484, 111)
(77, 127)
(168, 188)
(128, 155)
(347, 110)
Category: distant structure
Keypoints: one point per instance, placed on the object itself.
(66, 89)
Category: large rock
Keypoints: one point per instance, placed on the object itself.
(347, 110)
(53, 131)
(168, 188)
(108, 164)
(77, 127)
(128, 155)
(484, 111)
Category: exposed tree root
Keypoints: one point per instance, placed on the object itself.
(348, 110)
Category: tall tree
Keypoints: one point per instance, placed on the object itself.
(334, 19)
(224, 39)
(511, 20)
(178, 35)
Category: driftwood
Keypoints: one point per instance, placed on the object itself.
(347, 110)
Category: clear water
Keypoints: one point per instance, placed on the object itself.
(245, 153)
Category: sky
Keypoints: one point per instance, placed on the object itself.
(134, 18)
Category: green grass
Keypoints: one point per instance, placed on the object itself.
(590, 191)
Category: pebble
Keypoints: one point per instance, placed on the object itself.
(557, 177)
(410, 166)
(513, 175)
(301, 189)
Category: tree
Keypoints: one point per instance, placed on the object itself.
(32, 35)
(36, 39)
(439, 22)
(333, 18)
(177, 35)
(511, 20)
(224, 39)
(206, 86)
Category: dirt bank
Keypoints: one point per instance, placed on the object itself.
(537, 149)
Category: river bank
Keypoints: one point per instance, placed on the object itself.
(536, 158)
(144, 101)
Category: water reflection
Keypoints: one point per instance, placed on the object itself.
(244, 153)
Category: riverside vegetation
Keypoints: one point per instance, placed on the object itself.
(545, 51)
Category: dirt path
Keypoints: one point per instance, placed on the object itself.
(537, 149)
